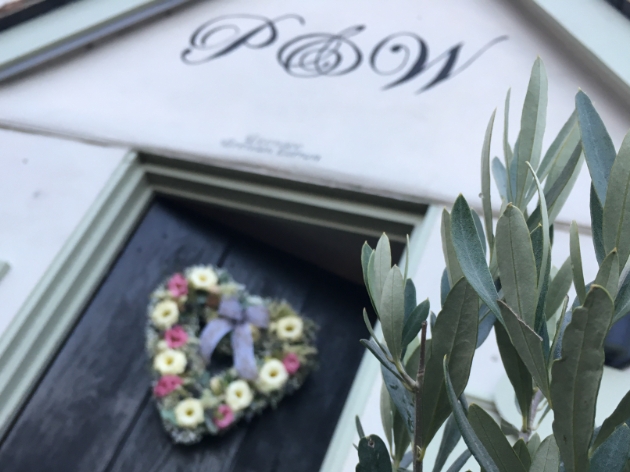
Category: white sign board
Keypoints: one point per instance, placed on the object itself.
(388, 96)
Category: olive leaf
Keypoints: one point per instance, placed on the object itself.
(392, 311)
(401, 397)
(529, 347)
(520, 448)
(413, 323)
(450, 438)
(497, 445)
(576, 262)
(619, 416)
(533, 119)
(608, 273)
(598, 147)
(517, 265)
(597, 221)
(470, 254)
(576, 377)
(379, 266)
(516, 370)
(612, 455)
(454, 335)
(373, 455)
(485, 181)
(387, 415)
(559, 288)
(500, 178)
(475, 446)
(616, 218)
(547, 458)
(453, 268)
(560, 151)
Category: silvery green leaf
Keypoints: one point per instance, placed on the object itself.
(616, 219)
(470, 254)
(450, 438)
(381, 356)
(529, 347)
(612, 455)
(402, 399)
(563, 322)
(533, 444)
(454, 335)
(445, 286)
(546, 246)
(392, 311)
(480, 231)
(359, 426)
(520, 448)
(485, 181)
(608, 273)
(460, 462)
(450, 257)
(507, 150)
(402, 439)
(563, 185)
(500, 178)
(517, 265)
(497, 445)
(560, 150)
(547, 458)
(619, 416)
(486, 323)
(559, 288)
(432, 320)
(576, 377)
(598, 147)
(576, 262)
(516, 370)
(373, 455)
(557, 192)
(368, 324)
(597, 228)
(387, 416)
(378, 267)
(366, 253)
(475, 446)
(410, 297)
(413, 323)
(533, 121)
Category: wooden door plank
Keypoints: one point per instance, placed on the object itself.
(91, 393)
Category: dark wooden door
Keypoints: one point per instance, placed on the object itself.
(92, 410)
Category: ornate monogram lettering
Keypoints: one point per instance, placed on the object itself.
(404, 56)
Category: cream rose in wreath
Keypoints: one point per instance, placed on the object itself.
(202, 313)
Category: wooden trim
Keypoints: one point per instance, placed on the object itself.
(51, 310)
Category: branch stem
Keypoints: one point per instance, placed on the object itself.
(418, 453)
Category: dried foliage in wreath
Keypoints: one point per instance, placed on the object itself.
(200, 323)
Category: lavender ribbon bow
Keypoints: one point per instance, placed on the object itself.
(233, 317)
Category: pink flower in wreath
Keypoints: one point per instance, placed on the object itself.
(291, 362)
(225, 416)
(175, 337)
(166, 385)
(178, 285)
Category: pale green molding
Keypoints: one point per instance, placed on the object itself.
(69, 28)
(4, 268)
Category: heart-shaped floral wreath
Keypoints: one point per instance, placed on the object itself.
(204, 311)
